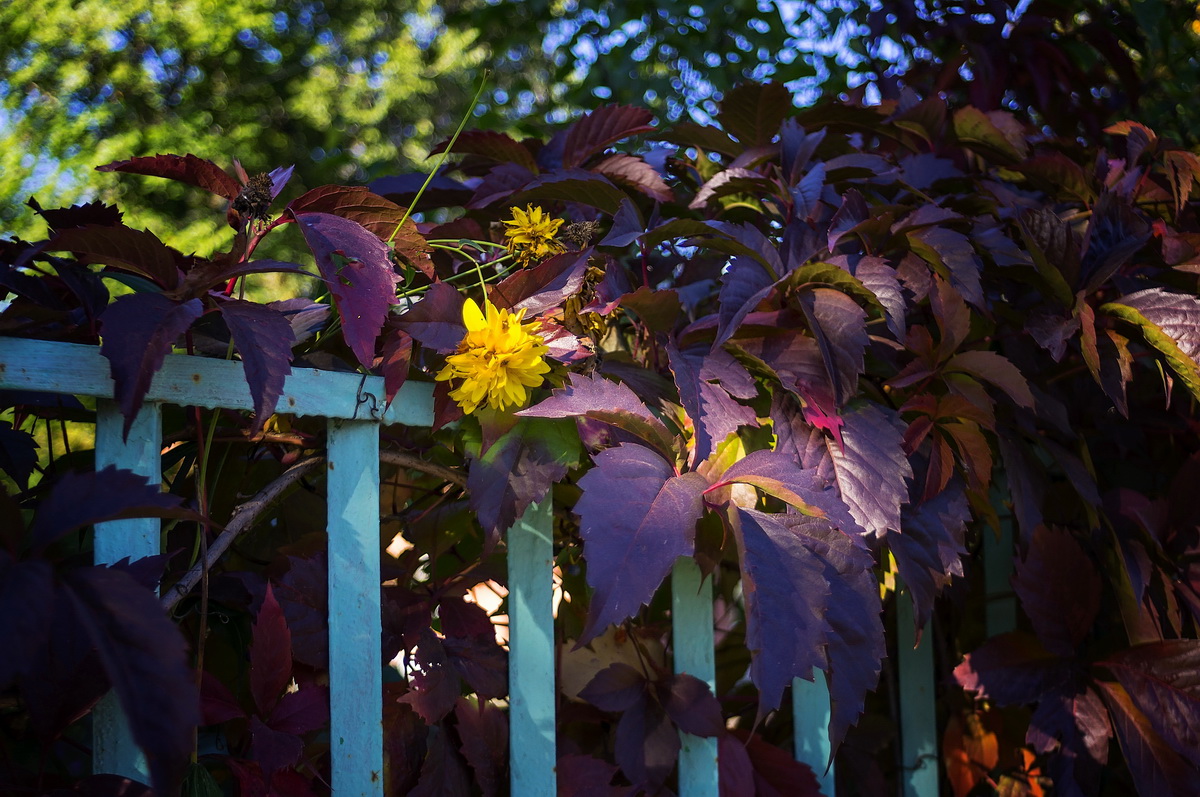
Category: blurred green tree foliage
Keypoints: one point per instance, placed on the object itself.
(353, 89)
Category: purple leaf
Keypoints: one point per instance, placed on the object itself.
(544, 286)
(879, 278)
(1170, 322)
(796, 147)
(728, 182)
(627, 226)
(1163, 680)
(273, 749)
(692, 707)
(355, 265)
(613, 403)
(870, 467)
(735, 773)
(138, 332)
(217, 703)
(630, 547)
(1115, 233)
(481, 662)
(433, 685)
(615, 688)
(840, 327)
(136, 251)
(584, 776)
(270, 655)
(930, 545)
(782, 477)
(952, 250)
(856, 645)
(80, 499)
(483, 730)
(1012, 669)
(444, 774)
(714, 413)
(436, 321)
(303, 596)
(647, 744)
(596, 130)
(183, 168)
(145, 657)
(806, 194)
(501, 183)
(744, 286)
(264, 339)
(786, 598)
(853, 212)
(304, 710)
(1059, 589)
(518, 470)
(1158, 771)
(26, 612)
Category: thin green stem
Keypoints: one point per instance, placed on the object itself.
(445, 154)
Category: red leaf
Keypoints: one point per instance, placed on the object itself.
(272, 749)
(636, 173)
(136, 251)
(754, 112)
(997, 369)
(397, 356)
(491, 145)
(270, 655)
(1059, 589)
(183, 168)
(606, 125)
(355, 265)
(570, 185)
(379, 216)
(777, 770)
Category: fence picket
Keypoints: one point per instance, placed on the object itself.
(692, 632)
(113, 748)
(531, 683)
(355, 624)
(810, 718)
(918, 722)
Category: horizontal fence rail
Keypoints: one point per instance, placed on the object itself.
(352, 404)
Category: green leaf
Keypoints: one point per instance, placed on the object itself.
(1170, 322)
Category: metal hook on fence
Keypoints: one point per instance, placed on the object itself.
(365, 397)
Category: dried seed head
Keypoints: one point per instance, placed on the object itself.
(255, 198)
(580, 233)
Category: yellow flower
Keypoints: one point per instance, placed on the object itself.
(530, 235)
(498, 360)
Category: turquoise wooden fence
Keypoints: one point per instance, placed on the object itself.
(350, 406)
